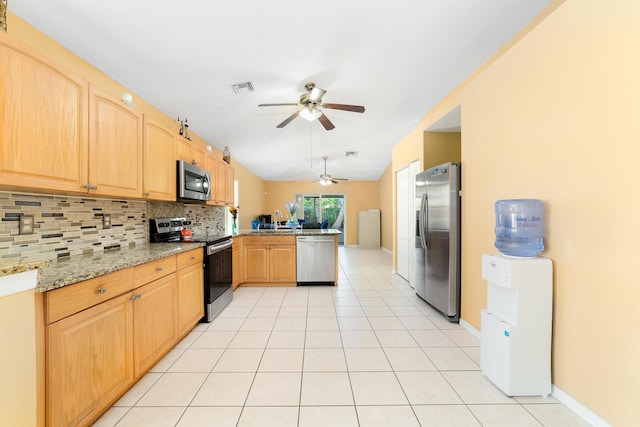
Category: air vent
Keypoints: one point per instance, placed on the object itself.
(351, 154)
(238, 88)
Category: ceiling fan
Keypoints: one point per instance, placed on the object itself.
(326, 179)
(309, 107)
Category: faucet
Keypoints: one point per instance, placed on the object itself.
(275, 218)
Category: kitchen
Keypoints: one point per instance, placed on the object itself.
(608, 392)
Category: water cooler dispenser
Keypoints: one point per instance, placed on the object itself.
(515, 352)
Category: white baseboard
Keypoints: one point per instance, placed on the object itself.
(387, 250)
(582, 411)
(577, 407)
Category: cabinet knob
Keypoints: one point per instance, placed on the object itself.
(147, 193)
(135, 297)
(102, 290)
(159, 268)
(193, 257)
(87, 186)
(94, 187)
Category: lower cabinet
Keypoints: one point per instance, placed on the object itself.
(114, 330)
(155, 326)
(237, 262)
(269, 259)
(89, 361)
(190, 290)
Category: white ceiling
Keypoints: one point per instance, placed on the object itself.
(398, 59)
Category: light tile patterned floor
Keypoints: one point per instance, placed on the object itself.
(367, 352)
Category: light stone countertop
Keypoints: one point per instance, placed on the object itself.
(77, 268)
(8, 268)
(291, 232)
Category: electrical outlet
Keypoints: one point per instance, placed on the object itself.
(26, 224)
(106, 221)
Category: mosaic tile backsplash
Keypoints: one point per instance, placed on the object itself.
(66, 226)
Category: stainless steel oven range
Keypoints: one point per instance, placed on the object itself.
(218, 292)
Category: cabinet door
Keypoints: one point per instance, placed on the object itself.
(221, 183)
(43, 122)
(282, 263)
(159, 167)
(190, 152)
(154, 322)
(256, 264)
(230, 197)
(88, 362)
(236, 256)
(115, 147)
(190, 292)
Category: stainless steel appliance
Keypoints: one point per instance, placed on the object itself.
(194, 183)
(437, 242)
(316, 260)
(218, 292)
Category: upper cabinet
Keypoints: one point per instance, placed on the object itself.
(159, 153)
(43, 122)
(190, 152)
(115, 147)
(222, 175)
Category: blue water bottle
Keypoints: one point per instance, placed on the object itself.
(519, 227)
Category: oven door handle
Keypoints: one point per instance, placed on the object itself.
(212, 249)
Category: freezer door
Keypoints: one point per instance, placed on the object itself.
(442, 257)
(420, 237)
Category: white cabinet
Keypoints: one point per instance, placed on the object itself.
(515, 351)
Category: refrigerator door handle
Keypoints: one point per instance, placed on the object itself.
(426, 220)
(421, 224)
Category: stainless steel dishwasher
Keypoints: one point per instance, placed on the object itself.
(316, 260)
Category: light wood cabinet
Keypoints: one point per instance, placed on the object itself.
(190, 290)
(155, 326)
(269, 259)
(190, 152)
(115, 147)
(43, 122)
(104, 333)
(230, 193)
(236, 256)
(89, 362)
(159, 151)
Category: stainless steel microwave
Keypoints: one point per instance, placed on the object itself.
(194, 183)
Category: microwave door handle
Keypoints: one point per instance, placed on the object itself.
(206, 185)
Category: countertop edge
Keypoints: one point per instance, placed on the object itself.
(80, 268)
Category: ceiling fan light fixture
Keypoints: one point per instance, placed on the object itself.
(310, 114)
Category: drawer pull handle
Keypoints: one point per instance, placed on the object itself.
(158, 268)
(193, 257)
(135, 297)
(102, 290)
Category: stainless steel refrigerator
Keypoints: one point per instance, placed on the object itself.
(437, 242)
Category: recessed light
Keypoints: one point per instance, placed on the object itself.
(238, 88)
(351, 154)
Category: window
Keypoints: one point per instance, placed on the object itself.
(318, 208)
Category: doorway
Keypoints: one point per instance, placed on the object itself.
(330, 209)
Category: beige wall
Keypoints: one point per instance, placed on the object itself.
(251, 195)
(441, 147)
(359, 195)
(18, 405)
(385, 204)
(555, 117)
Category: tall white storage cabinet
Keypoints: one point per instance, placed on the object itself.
(515, 349)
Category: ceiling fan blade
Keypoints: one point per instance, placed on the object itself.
(341, 179)
(326, 123)
(316, 94)
(276, 105)
(288, 120)
(345, 107)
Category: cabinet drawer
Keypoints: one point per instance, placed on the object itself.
(186, 259)
(62, 302)
(269, 240)
(153, 270)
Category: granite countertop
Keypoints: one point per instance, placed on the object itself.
(291, 232)
(83, 267)
(8, 268)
